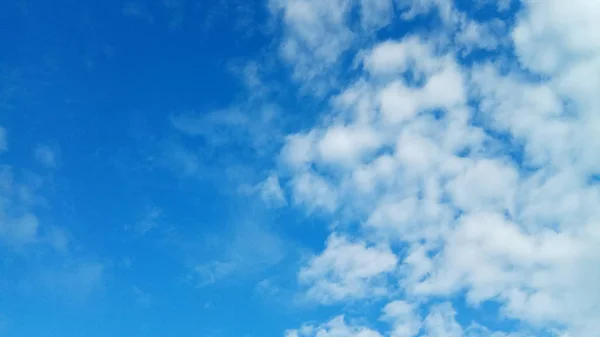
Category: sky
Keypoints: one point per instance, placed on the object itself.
(300, 168)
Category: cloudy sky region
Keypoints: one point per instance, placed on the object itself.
(300, 168)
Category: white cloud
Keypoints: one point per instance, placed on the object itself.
(396, 57)
(550, 35)
(404, 321)
(316, 34)
(314, 192)
(298, 150)
(398, 103)
(347, 270)
(347, 144)
(485, 177)
(376, 13)
(271, 191)
(337, 327)
(473, 189)
(440, 322)
(403, 317)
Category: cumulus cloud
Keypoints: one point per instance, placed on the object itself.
(313, 31)
(348, 270)
(403, 317)
(337, 327)
(483, 172)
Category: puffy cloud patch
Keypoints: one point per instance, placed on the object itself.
(483, 172)
(337, 327)
(347, 270)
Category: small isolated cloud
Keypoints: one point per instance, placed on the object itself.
(267, 287)
(149, 220)
(47, 156)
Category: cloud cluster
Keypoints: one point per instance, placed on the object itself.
(484, 172)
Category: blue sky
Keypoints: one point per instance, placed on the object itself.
(299, 168)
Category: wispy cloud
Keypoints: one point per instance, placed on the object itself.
(253, 127)
(149, 220)
(47, 156)
(44, 251)
(3, 142)
(19, 225)
(138, 10)
(75, 281)
(246, 251)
